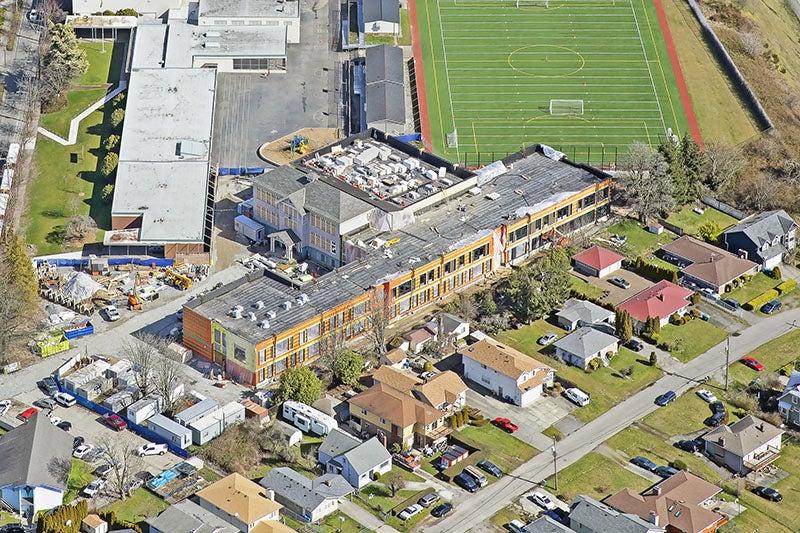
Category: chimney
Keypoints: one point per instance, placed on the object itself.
(653, 518)
(657, 491)
(660, 297)
(270, 494)
(761, 427)
(721, 441)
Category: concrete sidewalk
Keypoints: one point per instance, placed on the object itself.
(75, 122)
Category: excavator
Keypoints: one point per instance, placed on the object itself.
(178, 280)
(134, 304)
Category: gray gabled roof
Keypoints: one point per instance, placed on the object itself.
(338, 442)
(305, 492)
(545, 524)
(386, 103)
(384, 63)
(188, 517)
(382, 10)
(764, 227)
(585, 341)
(744, 436)
(367, 455)
(36, 453)
(587, 312)
(600, 517)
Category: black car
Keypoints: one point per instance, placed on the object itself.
(716, 419)
(48, 385)
(717, 407)
(667, 397)
(77, 441)
(691, 446)
(65, 425)
(442, 510)
(644, 462)
(733, 303)
(768, 493)
(490, 467)
(665, 471)
(635, 344)
(466, 482)
(771, 307)
(12, 528)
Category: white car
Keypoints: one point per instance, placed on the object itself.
(112, 313)
(94, 487)
(543, 500)
(577, 396)
(516, 526)
(410, 511)
(152, 449)
(82, 450)
(64, 399)
(55, 420)
(547, 338)
(5, 405)
(707, 395)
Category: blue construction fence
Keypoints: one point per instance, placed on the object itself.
(409, 137)
(136, 428)
(112, 261)
(241, 171)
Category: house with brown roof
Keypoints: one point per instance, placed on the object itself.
(706, 266)
(397, 358)
(445, 391)
(506, 372)
(240, 502)
(396, 416)
(745, 446)
(682, 503)
(401, 380)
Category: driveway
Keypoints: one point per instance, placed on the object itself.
(617, 294)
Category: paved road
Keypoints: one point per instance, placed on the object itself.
(488, 501)
(364, 517)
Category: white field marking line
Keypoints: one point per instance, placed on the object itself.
(647, 64)
(447, 73)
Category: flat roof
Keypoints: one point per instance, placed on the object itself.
(187, 41)
(150, 43)
(249, 8)
(151, 7)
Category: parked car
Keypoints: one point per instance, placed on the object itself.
(64, 399)
(27, 414)
(773, 306)
(543, 500)
(45, 403)
(547, 338)
(731, 302)
(665, 471)
(65, 425)
(408, 512)
(91, 490)
(77, 441)
(664, 399)
(490, 467)
(139, 479)
(54, 420)
(577, 396)
(114, 421)
(152, 449)
(441, 510)
(768, 493)
(425, 376)
(644, 462)
(82, 451)
(753, 363)
(12, 528)
(48, 385)
(516, 526)
(94, 454)
(103, 470)
(691, 446)
(406, 460)
(706, 395)
(505, 424)
(717, 407)
(466, 482)
(428, 499)
(635, 344)
(112, 313)
(619, 240)
(179, 315)
(715, 419)
(620, 282)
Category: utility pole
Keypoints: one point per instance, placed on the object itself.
(727, 360)
(555, 465)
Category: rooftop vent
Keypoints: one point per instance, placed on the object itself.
(493, 196)
(302, 299)
(272, 314)
(264, 324)
(236, 313)
(286, 305)
(210, 44)
(260, 304)
(252, 316)
(212, 34)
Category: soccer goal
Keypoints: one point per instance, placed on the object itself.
(452, 139)
(566, 107)
(533, 3)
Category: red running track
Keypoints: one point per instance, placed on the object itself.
(419, 74)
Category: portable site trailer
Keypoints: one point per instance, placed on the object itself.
(196, 412)
(170, 430)
(122, 399)
(213, 424)
(252, 230)
(308, 419)
(145, 408)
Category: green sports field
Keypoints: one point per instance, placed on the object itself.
(491, 69)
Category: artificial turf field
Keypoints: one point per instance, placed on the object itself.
(491, 69)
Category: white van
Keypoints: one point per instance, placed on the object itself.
(577, 396)
(476, 474)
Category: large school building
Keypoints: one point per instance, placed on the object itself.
(399, 228)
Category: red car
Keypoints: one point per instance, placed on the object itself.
(27, 414)
(115, 422)
(752, 363)
(505, 424)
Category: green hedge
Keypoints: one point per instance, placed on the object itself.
(761, 299)
(786, 287)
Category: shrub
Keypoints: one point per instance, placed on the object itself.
(653, 359)
(744, 401)
(787, 286)
(117, 116)
(594, 364)
(376, 476)
(654, 272)
(127, 12)
(111, 142)
(675, 319)
(109, 166)
(677, 464)
(427, 367)
(108, 193)
(480, 422)
(760, 300)
(695, 298)
(775, 273)
(731, 489)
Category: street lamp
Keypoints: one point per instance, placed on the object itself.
(555, 465)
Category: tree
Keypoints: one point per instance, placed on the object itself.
(117, 116)
(427, 367)
(623, 324)
(535, 290)
(647, 187)
(109, 166)
(709, 231)
(300, 384)
(487, 304)
(693, 161)
(142, 352)
(775, 273)
(379, 313)
(63, 62)
(121, 455)
(395, 481)
(347, 367)
(107, 193)
(79, 228)
(672, 156)
(19, 269)
(18, 318)
(723, 163)
(111, 142)
(167, 377)
(751, 43)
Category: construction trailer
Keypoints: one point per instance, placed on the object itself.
(213, 424)
(145, 408)
(169, 429)
(196, 411)
(249, 228)
(308, 419)
(72, 382)
(122, 399)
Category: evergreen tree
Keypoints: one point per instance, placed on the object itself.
(19, 268)
(694, 164)
(675, 169)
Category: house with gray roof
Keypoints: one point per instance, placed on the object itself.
(789, 401)
(748, 445)
(355, 460)
(764, 238)
(381, 16)
(188, 517)
(577, 313)
(35, 460)
(545, 524)
(588, 515)
(309, 500)
(583, 345)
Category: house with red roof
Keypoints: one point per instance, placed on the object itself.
(597, 261)
(661, 300)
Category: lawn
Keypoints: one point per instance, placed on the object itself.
(377, 499)
(524, 339)
(503, 449)
(80, 475)
(760, 284)
(8, 518)
(585, 289)
(491, 70)
(690, 222)
(640, 241)
(773, 355)
(506, 515)
(686, 414)
(140, 505)
(691, 339)
(58, 122)
(594, 475)
(209, 475)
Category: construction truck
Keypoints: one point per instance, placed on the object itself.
(134, 304)
(299, 145)
(178, 280)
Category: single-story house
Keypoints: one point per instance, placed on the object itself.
(418, 339)
(35, 461)
(588, 515)
(661, 300)
(764, 238)
(706, 266)
(381, 16)
(681, 503)
(506, 372)
(309, 500)
(597, 261)
(583, 345)
(397, 358)
(745, 446)
(578, 313)
(450, 326)
(789, 401)
(240, 502)
(188, 517)
(353, 459)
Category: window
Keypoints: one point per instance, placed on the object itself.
(403, 289)
(450, 266)
(267, 197)
(282, 347)
(427, 277)
(313, 350)
(323, 224)
(360, 309)
(262, 356)
(262, 375)
(319, 242)
(239, 353)
(313, 332)
(519, 233)
(587, 201)
(280, 366)
(479, 252)
(564, 212)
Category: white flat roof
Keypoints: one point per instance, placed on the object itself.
(156, 7)
(186, 41)
(249, 9)
(149, 49)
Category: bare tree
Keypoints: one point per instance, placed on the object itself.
(723, 163)
(649, 190)
(121, 454)
(395, 481)
(751, 43)
(143, 353)
(167, 376)
(378, 317)
(79, 228)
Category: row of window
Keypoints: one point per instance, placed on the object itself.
(268, 216)
(321, 243)
(259, 63)
(323, 224)
(434, 273)
(552, 218)
(453, 282)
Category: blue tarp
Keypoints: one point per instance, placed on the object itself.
(409, 137)
(112, 261)
(241, 171)
(79, 332)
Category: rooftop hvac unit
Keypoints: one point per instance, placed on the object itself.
(287, 305)
(442, 171)
(302, 267)
(303, 299)
(271, 264)
(493, 195)
(264, 324)
(210, 44)
(260, 304)
(252, 316)
(272, 314)
(238, 308)
(212, 34)
(236, 313)
(446, 182)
